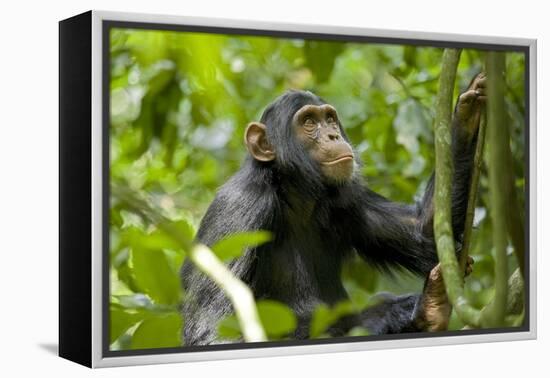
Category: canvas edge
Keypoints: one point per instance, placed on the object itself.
(97, 189)
(74, 95)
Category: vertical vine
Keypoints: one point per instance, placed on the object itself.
(442, 197)
(499, 139)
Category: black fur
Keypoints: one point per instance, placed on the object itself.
(315, 227)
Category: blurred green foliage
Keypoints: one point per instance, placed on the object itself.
(179, 103)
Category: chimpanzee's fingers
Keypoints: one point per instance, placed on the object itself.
(481, 82)
(481, 91)
(480, 77)
(482, 98)
(468, 97)
(435, 273)
(470, 260)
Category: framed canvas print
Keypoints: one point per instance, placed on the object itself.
(234, 189)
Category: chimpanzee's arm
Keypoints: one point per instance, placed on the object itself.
(395, 314)
(394, 234)
(428, 311)
(392, 314)
(205, 303)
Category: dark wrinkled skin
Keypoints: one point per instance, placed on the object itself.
(319, 217)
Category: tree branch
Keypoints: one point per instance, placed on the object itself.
(240, 295)
(499, 139)
(442, 197)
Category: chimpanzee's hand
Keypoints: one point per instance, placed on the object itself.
(470, 104)
(436, 309)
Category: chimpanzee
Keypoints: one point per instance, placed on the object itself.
(301, 182)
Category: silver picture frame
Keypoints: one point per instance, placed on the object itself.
(99, 358)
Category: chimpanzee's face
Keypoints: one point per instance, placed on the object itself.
(318, 129)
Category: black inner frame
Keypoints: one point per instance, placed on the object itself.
(107, 25)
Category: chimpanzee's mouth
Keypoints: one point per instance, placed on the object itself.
(338, 160)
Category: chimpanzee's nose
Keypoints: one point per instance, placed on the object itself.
(333, 135)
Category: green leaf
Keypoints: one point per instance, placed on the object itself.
(409, 124)
(134, 301)
(324, 317)
(278, 320)
(234, 245)
(228, 328)
(358, 331)
(158, 332)
(121, 320)
(320, 56)
(130, 220)
(155, 240)
(185, 229)
(154, 275)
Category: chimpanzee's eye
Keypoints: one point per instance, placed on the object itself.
(330, 119)
(309, 121)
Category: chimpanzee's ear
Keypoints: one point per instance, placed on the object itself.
(256, 142)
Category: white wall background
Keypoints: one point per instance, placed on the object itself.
(29, 189)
